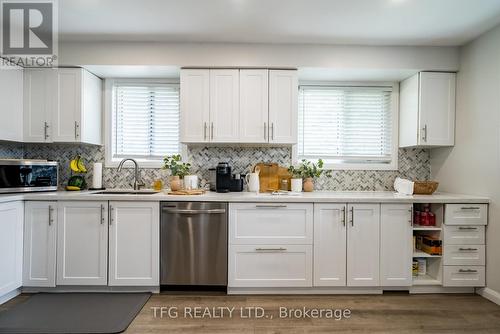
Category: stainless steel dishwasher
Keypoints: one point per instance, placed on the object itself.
(193, 244)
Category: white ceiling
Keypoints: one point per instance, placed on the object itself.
(366, 22)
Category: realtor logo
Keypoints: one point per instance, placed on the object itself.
(29, 35)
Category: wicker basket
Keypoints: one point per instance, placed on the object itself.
(425, 187)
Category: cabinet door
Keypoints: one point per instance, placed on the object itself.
(224, 106)
(134, 246)
(254, 109)
(396, 237)
(38, 89)
(67, 96)
(330, 244)
(39, 265)
(82, 243)
(195, 105)
(283, 106)
(437, 109)
(11, 102)
(89, 130)
(363, 241)
(11, 246)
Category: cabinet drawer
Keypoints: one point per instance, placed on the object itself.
(266, 223)
(270, 266)
(464, 276)
(463, 235)
(466, 214)
(471, 255)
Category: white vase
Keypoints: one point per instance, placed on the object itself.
(296, 185)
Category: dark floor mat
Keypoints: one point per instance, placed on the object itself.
(73, 313)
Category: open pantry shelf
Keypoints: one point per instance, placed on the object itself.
(426, 280)
(418, 253)
(426, 228)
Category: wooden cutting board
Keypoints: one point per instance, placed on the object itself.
(270, 176)
(187, 192)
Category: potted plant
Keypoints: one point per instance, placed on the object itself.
(307, 171)
(178, 170)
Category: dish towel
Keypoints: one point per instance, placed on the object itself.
(403, 186)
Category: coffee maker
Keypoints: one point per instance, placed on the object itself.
(223, 178)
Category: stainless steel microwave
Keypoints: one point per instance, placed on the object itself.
(28, 175)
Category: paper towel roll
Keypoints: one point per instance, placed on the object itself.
(97, 176)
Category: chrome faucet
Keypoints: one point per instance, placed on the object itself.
(137, 178)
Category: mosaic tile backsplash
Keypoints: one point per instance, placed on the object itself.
(413, 164)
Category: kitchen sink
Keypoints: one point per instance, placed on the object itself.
(126, 192)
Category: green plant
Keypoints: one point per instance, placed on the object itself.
(176, 166)
(308, 169)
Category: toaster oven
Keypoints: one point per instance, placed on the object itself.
(28, 175)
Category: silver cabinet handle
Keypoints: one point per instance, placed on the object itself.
(272, 131)
(467, 228)
(470, 208)
(111, 209)
(77, 126)
(204, 130)
(212, 130)
(352, 215)
(467, 249)
(468, 271)
(270, 206)
(46, 130)
(280, 249)
(51, 219)
(265, 131)
(102, 214)
(343, 215)
(424, 131)
(188, 211)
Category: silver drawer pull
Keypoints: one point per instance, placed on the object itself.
(467, 249)
(193, 212)
(469, 208)
(270, 206)
(467, 228)
(467, 271)
(270, 249)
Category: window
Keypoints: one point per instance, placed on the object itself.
(349, 127)
(145, 122)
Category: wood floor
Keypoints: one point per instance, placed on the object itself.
(388, 313)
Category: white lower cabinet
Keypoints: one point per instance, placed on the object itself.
(330, 244)
(40, 230)
(363, 245)
(270, 266)
(11, 246)
(396, 234)
(134, 243)
(464, 276)
(82, 243)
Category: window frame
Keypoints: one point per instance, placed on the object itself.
(109, 160)
(393, 164)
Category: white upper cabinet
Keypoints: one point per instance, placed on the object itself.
(330, 244)
(62, 105)
(283, 106)
(254, 106)
(239, 106)
(396, 237)
(427, 110)
(40, 229)
(363, 245)
(195, 105)
(224, 106)
(11, 102)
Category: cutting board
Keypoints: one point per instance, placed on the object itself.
(187, 192)
(270, 176)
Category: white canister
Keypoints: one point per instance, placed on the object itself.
(296, 185)
(191, 182)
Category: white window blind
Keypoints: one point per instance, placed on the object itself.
(146, 120)
(345, 124)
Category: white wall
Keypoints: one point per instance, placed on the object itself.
(258, 55)
(473, 165)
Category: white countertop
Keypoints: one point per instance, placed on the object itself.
(313, 197)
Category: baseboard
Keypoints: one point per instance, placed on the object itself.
(489, 294)
(104, 288)
(8, 296)
(306, 291)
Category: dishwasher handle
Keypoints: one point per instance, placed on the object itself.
(190, 211)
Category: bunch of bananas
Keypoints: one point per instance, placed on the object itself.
(77, 165)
